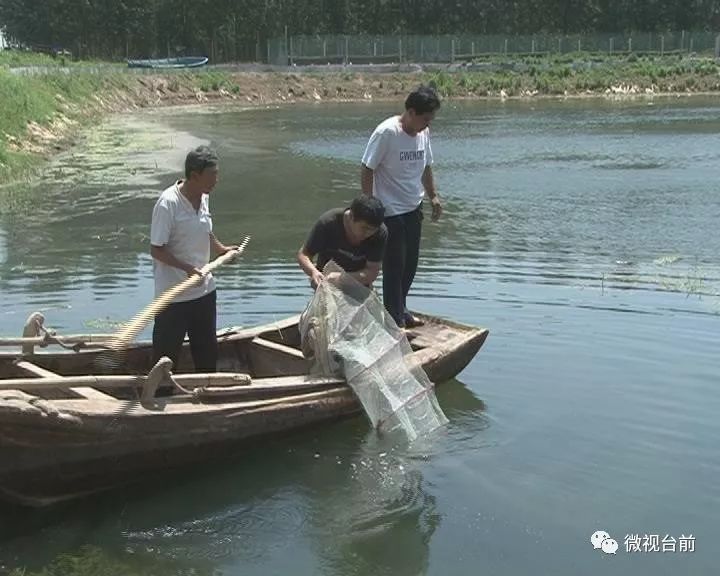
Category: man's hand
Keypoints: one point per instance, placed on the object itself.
(334, 278)
(227, 249)
(192, 271)
(437, 208)
(316, 279)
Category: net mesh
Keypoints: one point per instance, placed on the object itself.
(346, 332)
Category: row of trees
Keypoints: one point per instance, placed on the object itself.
(236, 29)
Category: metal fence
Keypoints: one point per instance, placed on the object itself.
(383, 49)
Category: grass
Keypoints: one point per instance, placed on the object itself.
(578, 74)
(94, 561)
(40, 99)
(43, 98)
(20, 58)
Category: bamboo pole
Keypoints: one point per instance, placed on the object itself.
(126, 336)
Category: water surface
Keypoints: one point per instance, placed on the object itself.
(582, 234)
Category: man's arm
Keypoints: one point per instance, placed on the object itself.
(373, 156)
(162, 254)
(304, 258)
(366, 180)
(428, 182)
(367, 275)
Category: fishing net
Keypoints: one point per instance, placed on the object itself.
(346, 332)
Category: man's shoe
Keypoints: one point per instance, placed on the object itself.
(412, 321)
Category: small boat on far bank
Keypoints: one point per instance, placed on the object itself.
(184, 62)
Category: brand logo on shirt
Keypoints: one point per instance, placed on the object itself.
(412, 155)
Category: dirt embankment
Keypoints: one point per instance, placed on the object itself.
(246, 89)
(118, 92)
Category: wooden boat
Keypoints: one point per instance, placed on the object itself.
(185, 62)
(69, 426)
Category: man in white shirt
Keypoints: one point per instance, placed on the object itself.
(180, 240)
(396, 169)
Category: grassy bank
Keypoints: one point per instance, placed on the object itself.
(42, 112)
(37, 113)
(579, 74)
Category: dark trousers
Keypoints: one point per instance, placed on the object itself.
(401, 260)
(198, 319)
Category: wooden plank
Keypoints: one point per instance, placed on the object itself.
(270, 345)
(268, 359)
(83, 391)
(35, 370)
(185, 380)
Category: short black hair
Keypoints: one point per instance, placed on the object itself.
(368, 209)
(198, 159)
(423, 99)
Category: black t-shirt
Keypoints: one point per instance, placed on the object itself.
(327, 239)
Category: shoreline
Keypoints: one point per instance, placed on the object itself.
(68, 112)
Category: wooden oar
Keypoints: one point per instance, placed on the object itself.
(121, 342)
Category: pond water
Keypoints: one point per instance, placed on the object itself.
(579, 232)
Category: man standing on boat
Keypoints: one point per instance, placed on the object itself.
(396, 169)
(354, 238)
(181, 237)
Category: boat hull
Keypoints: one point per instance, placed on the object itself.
(188, 62)
(62, 448)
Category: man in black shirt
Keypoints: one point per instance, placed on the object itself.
(354, 238)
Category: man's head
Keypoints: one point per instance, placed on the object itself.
(420, 108)
(201, 168)
(366, 216)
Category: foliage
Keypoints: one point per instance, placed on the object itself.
(93, 561)
(236, 29)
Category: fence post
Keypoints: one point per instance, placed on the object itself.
(452, 50)
(690, 49)
(374, 47)
(612, 45)
(347, 51)
(682, 40)
(532, 50)
(579, 44)
(506, 43)
(291, 51)
(630, 44)
(662, 45)
(268, 51)
(472, 49)
(400, 50)
(324, 47)
(287, 47)
(560, 45)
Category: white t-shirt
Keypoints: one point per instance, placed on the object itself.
(186, 234)
(398, 161)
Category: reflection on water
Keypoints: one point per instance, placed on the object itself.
(580, 233)
(344, 495)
